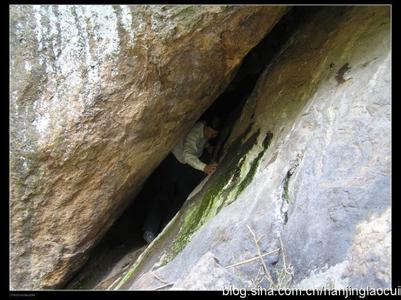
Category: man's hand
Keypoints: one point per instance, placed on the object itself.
(209, 169)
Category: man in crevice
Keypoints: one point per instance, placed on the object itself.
(180, 173)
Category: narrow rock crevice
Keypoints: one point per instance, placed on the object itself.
(285, 195)
(303, 152)
(125, 235)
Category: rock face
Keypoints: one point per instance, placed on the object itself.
(306, 172)
(207, 274)
(98, 96)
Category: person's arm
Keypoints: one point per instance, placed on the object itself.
(190, 151)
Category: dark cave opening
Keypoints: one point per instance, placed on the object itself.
(123, 242)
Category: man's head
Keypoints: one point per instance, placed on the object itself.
(212, 127)
(209, 132)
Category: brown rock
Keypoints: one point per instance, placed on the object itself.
(99, 95)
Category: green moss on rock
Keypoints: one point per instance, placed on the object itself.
(221, 190)
(217, 195)
(254, 165)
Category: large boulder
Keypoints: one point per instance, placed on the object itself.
(306, 177)
(98, 96)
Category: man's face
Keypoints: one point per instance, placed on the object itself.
(210, 133)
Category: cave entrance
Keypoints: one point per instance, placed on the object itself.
(124, 242)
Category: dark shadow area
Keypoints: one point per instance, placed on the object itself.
(125, 236)
(230, 103)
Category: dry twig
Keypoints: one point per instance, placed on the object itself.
(257, 281)
(251, 259)
(114, 282)
(163, 286)
(158, 278)
(266, 271)
(286, 268)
